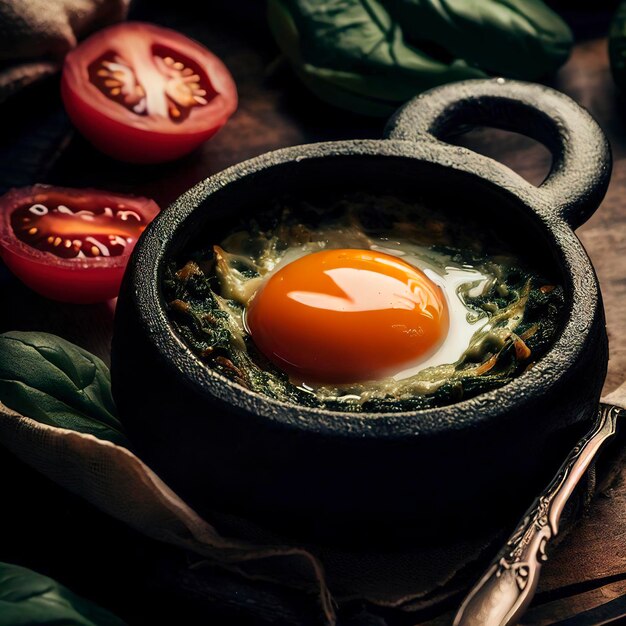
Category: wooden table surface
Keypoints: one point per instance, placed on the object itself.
(275, 111)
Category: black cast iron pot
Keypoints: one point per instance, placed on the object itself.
(345, 476)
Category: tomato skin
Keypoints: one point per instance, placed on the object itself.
(126, 143)
(127, 136)
(79, 285)
(80, 281)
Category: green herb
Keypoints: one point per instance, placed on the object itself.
(370, 56)
(55, 382)
(30, 599)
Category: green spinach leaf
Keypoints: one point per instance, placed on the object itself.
(55, 382)
(353, 55)
(370, 56)
(515, 38)
(30, 599)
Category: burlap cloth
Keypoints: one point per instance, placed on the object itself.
(35, 35)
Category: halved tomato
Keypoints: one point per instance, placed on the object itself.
(146, 94)
(71, 244)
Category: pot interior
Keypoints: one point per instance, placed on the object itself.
(201, 219)
(459, 196)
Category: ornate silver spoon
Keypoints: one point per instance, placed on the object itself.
(507, 587)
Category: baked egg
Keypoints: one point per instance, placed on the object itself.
(339, 307)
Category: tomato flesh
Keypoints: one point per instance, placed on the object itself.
(146, 94)
(68, 244)
(172, 92)
(80, 234)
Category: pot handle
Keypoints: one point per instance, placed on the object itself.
(581, 156)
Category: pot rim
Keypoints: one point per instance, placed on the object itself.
(145, 271)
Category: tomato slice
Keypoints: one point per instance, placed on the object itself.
(146, 94)
(71, 244)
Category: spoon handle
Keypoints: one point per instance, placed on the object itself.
(507, 587)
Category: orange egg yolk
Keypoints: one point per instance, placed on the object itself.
(342, 316)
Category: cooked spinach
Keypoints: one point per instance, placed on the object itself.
(370, 56)
(31, 599)
(55, 382)
(207, 295)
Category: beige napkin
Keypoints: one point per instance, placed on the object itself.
(35, 35)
